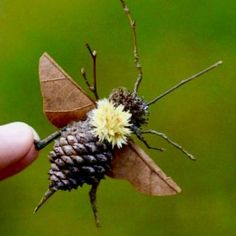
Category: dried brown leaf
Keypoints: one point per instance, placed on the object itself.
(63, 100)
(133, 164)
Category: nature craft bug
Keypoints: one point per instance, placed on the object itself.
(94, 139)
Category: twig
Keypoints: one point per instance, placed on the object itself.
(93, 54)
(139, 135)
(46, 196)
(184, 82)
(92, 196)
(84, 75)
(176, 145)
(135, 47)
(40, 144)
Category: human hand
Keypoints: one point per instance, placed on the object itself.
(17, 148)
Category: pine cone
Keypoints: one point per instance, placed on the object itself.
(132, 103)
(78, 157)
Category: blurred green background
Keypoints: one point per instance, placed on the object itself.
(176, 39)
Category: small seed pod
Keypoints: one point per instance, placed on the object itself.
(132, 103)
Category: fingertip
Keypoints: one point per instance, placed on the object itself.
(17, 148)
(19, 165)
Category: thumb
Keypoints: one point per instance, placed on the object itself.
(16, 148)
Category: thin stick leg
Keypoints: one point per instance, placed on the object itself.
(92, 196)
(135, 46)
(141, 138)
(43, 143)
(176, 145)
(46, 196)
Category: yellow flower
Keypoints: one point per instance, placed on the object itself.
(111, 123)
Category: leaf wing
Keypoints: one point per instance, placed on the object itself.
(63, 100)
(133, 164)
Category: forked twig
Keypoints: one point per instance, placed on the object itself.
(184, 82)
(135, 47)
(176, 145)
(139, 135)
(93, 54)
(92, 196)
(92, 88)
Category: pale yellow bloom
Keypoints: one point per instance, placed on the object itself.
(111, 123)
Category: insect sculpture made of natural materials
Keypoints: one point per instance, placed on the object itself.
(94, 139)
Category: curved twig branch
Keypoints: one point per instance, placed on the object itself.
(135, 47)
(176, 145)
